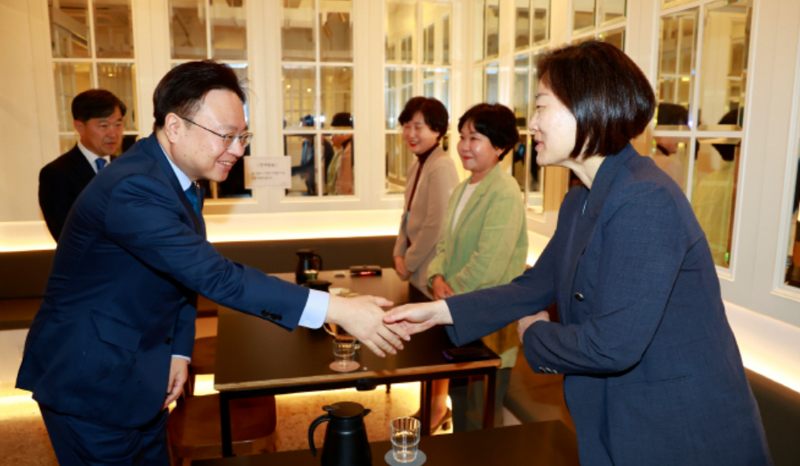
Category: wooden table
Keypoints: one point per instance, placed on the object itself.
(257, 358)
(547, 443)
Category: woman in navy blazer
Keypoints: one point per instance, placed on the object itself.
(652, 372)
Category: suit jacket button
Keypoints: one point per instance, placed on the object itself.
(168, 341)
(579, 296)
(277, 317)
(265, 313)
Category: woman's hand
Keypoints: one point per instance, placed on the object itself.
(416, 318)
(441, 289)
(400, 267)
(526, 322)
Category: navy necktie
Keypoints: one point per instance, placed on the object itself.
(100, 162)
(191, 193)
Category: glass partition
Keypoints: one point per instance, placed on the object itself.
(298, 40)
(724, 70)
(676, 68)
(187, 30)
(113, 28)
(228, 30)
(714, 193)
(336, 30)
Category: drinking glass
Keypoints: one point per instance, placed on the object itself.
(405, 439)
(343, 349)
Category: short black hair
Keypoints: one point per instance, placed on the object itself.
(181, 91)
(496, 122)
(610, 97)
(672, 114)
(95, 103)
(342, 120)
(433, 111)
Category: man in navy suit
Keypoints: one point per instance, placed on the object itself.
(109, 348)
(97, 117)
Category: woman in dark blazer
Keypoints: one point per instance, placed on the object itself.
(652, 372)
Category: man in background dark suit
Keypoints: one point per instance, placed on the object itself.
(97, 117)
(109, 347)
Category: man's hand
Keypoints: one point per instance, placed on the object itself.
(400, 268)
(362, 318)
(416, 318)
(441, 289)
(526, 322)
(178, 373)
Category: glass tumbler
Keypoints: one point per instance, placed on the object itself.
(343, 350)
(405, 438)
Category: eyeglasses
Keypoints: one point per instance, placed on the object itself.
(228, 139)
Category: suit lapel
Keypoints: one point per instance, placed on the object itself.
(585, 218)
(152, 147)
(83, 168)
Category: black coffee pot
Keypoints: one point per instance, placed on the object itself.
(307, 259)
(346, 441)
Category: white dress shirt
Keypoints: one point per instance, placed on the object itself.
(91, 156)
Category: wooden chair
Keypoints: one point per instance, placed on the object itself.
(194, 431)
(204, 358)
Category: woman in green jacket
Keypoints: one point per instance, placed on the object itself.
(484, 244)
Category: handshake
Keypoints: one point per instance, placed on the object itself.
(384, 332)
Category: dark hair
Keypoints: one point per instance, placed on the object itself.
(672, 114)
(610, 97)
(181, 91)
(433, 111)
(95, 103)
(342, 120)
(496, 122)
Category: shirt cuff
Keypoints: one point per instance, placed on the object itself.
(182, 357)
(316, 309)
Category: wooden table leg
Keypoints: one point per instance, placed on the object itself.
(426, 405)
(488, 399)
(225, 419)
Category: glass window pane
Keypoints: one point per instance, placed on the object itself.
(66, 143)
(187, 29)
(297, 30)
(521, 87)
(581, 40)
(401, 32)
(301, 148)
(120, 79)
(69, 31)
(399, 89)
(436, 32)
(522, 25)
(398, 159)
(114, 31)
(71, 79)
(722, 77)
(492, 82)
(299, 96)
(339, 164)
(541, 21)
(676, 70)
(229, 30)
(671, 154)
(793, 259)
(244, 80)
(479, 32)
(336, 30)
(615, 38)
(477, 84)
(582, 15)
(610, 11)
(714, 194)
(492, 28)
(436, 84)
(336, 92)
